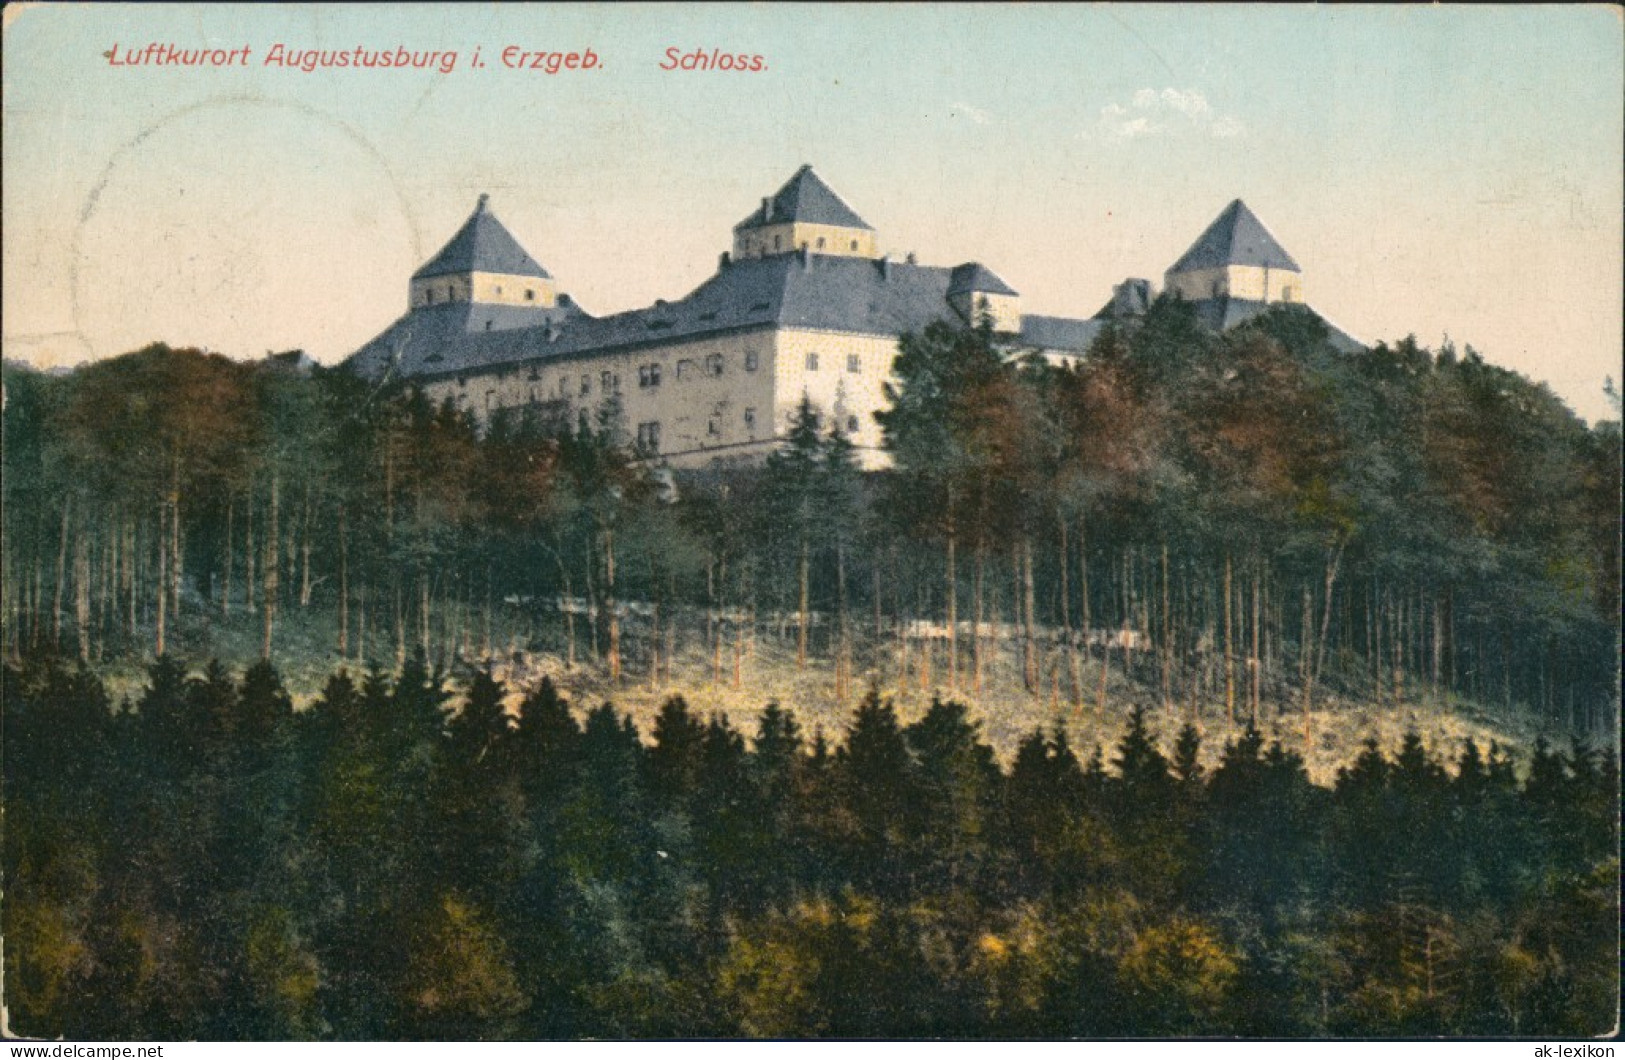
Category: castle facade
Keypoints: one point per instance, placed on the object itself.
(803, 304)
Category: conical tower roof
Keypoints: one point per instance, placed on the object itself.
(482, 245)
(1236, 237)
(804, 199)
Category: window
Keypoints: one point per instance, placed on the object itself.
(530, 295)
(812, 362)
(649, 436)
(775, 242)
(649, 375)
(854, 244)
(564, 386)
(820, 242)
(586, 385)
(685, 368)
(713, 364)
(853, 364)
(581, 421)
(499, 288)
(606, 382)
(851, 425)
(750, 360)
(1287, 294)
(533, 397)
(750, 421)
(714, 429)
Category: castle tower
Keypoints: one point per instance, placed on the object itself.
(484, 264)
(805, 215)
(974, 291)
(1236, 258)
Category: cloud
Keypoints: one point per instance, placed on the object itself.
(975, 114)
(1170, 111)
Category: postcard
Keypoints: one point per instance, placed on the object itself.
(811, 522)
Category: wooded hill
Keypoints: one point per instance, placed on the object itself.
(208, 863)
(1250, 518)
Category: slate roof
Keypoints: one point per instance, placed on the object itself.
(482, 245)
(1236, 237)
(1222, 314)
(1131, 298)
(800, 290)
(806, 199)
(1059, 333)
(974, 276)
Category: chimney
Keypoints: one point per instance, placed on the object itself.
(806, 257)
(911, 259)
(885, 266)
(767, 209)
(723, 261)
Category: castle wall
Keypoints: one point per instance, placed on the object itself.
(485, 287)
(836, 241)
(835, 389)
(1005, 309)
(709, 402)
(1253, 282)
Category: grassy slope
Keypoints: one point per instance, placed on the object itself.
(305, 655)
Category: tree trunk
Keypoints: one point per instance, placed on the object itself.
(953, 614)
(1255, 656)
(175, 555)
(802, 563)
(1028, 619)
(225, 574)
(843, 660)
(344, 582)
(1229, 649)
(977, 604)
(61, 577)
(609, 607)
(81, 590)
(1167, 640)
(272, 567)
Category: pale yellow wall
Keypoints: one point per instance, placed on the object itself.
(485, 287)
(1252, 282)
(834, 390)
(838, 242)
(1003, 308)
(684, 407)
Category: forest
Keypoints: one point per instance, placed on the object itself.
(208, 863)
(1236, 528)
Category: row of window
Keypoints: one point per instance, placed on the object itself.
(854, 363)
(778, 244)
(649, 431)
(688, 368)
(457, 294)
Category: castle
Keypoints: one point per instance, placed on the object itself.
(805, 303)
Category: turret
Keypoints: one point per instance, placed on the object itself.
(807, 215)
(1236, 257)
(483, 263)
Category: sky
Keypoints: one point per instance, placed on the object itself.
(1437, 171)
